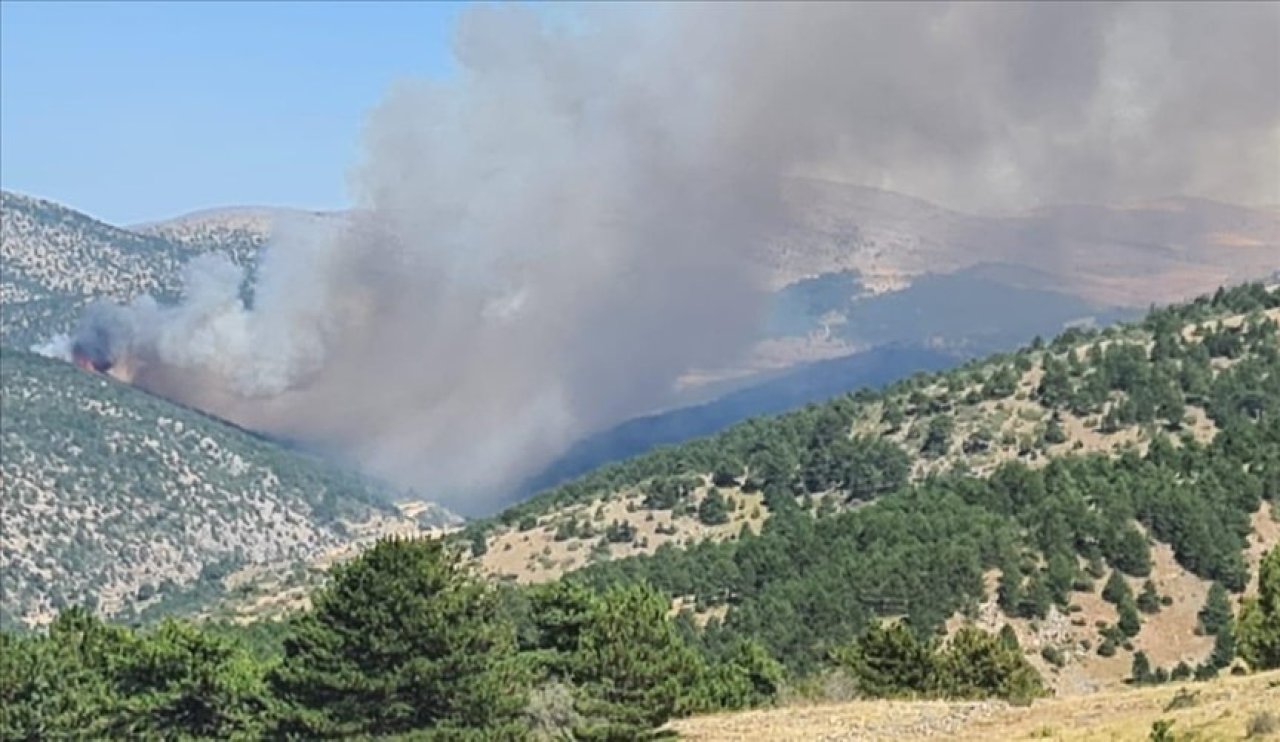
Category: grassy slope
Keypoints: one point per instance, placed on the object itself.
(1218, 710)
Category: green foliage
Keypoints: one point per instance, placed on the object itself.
(1216, 612)
(631, 664)
(402, 638)
(403, 641)
(1116, 590)
(1162, 731)
(1148, 600)
(88, 678)
(1224, 648)
(1140, 671)
(629, 667)
(1129, 622)
(1259, 627)
(889, 661)
(937, 439)
(713, 510)
(976, 664)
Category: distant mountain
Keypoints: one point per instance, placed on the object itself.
(1100, 257)
(1128, 256)
(118, 498)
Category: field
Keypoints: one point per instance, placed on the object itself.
(1230, 708)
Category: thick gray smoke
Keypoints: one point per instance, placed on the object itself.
(543, 244)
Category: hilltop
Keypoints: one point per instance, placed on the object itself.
(123, 501)
(57, 259)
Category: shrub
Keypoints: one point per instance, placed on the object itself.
(1262, 724)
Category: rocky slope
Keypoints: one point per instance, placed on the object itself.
(120, 499)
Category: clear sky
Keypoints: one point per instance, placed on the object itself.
(134, 112)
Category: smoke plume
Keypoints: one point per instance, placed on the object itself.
(542, 243)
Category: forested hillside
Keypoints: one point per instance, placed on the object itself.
(118, 500)
(1048, 468)
(880, 526)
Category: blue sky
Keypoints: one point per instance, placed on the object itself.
(133, 112)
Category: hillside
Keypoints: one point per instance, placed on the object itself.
(1129, 255)
(123, 500)
(855, 268)
(1229, 708)
(1002, 492)
(931, 540)
(797, 386)
(56, 260)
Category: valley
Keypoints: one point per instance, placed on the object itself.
(883, 486)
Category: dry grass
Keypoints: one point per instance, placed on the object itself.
(535, 556)
(1222, 709)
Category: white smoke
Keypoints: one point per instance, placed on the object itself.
(545, 243)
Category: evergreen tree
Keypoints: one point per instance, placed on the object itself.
(1224, 647)
(632, 665)
(402, 638)
(1009, 594)
(1140, 672)
(1116, 590)
(937, 439)
(59, 686)
(1129, 622)
(181, 682)
(713, 510)
(1216, 612)
(888, 660)
(1148, 600)
(1259, 627)
(976, 664)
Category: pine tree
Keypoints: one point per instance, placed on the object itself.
(182, 682)
(1140, 672)
(1224, 647)
(1129, 622)
(1116, 590)
(888, 660)
(976, 664)
(713, 510)
(1216, 612)
(1259, 628)
(402, 638)
(631, 664)
(1149, 600)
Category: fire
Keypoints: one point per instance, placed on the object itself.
(88, 362)
(83, 363)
